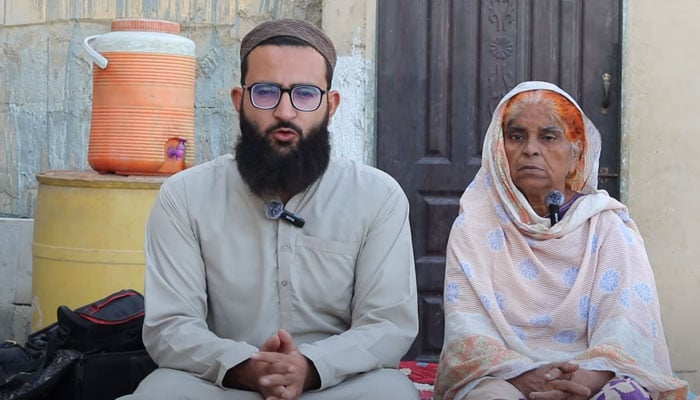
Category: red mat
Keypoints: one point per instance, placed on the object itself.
(422, 374)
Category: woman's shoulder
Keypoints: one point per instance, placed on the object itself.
(616, 216)
(601, 207)
(616, 224)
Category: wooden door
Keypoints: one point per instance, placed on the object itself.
(443, 65)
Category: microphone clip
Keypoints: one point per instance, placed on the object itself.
(554, 200)
(275, 210)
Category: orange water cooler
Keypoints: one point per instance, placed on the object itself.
(143, 99)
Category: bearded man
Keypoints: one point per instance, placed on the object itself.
(280, 273)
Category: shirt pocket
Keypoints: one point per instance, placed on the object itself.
(326, 274)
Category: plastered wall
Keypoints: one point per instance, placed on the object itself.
(660, 161)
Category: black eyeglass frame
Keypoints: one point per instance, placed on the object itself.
(284, 90)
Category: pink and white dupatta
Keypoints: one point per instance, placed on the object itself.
(519, 294)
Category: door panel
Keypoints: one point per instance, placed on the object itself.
(442, 68)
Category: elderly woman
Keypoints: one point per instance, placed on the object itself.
(542, 306)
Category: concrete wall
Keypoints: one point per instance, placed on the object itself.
(16, 281)
(45, 91)
(661, 165)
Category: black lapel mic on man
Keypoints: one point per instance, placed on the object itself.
(275, 210)
(554, 200)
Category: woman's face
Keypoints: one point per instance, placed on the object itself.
(539, 154)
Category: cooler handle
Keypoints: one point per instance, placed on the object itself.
(96, 57)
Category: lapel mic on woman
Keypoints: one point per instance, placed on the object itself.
(554, 200)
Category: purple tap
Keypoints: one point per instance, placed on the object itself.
(177, 152)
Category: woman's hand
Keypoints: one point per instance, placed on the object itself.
(550, 382)
(593, 380)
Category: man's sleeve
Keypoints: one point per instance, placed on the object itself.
(175, 330)
(384, 305)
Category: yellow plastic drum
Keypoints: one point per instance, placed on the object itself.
(88, 238)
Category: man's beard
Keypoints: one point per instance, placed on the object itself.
(269, 171)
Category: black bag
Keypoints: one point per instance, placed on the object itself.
(18, 363)
(81, 354)
(110, 324)
(104, 376)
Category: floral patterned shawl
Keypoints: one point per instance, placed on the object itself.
(520, 294)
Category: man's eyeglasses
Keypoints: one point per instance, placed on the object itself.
(266, 96)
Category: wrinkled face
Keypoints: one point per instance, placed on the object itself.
(284, 125)
(540, 156)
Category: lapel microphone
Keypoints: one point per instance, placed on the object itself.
(554, 200)
(275, 210)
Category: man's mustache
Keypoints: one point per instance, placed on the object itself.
(284, 125)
